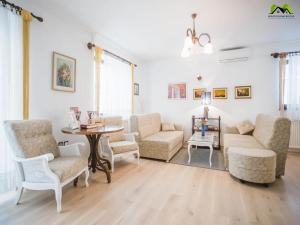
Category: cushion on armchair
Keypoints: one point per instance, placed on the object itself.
(66, 167)
(123, 146)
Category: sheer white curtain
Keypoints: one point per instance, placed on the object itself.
(292, 87)
(11, 86)
(115, 87)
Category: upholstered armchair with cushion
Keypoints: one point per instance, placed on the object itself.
(269, 133)
(118, 145)
(41, 164)
(157, 140)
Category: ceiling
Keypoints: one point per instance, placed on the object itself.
(155, 29)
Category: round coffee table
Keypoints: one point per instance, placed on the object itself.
(93, 136)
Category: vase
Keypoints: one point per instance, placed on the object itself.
(203, 130)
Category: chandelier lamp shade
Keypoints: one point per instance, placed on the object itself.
(192, 43)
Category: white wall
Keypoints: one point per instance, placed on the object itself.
(69, 37)
(259, 72)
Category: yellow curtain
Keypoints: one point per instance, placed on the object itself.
(98, 57)
(132, 94)
(282, 67)
(26, 22)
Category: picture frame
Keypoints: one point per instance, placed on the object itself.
(198, 92)
(243, 92)
(177, 91)
(220, 93)
(136, 89)
(63, 73)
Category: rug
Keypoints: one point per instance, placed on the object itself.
(200, 158)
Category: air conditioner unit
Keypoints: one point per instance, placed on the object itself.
(234, 54)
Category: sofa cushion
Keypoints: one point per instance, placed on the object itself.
(168, 127)
(167, 139)
(123, 146)
(245, 127)
(238, 140)
(66, 167)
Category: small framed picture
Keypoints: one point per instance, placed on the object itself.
(136, 89)
(220, 93)
(242, 92)
(64, 73)
(198, 92)
(177, 91)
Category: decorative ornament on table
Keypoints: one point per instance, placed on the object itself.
(74, 114)
(206, 100)
(204, 127)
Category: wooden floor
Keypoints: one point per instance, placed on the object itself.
(164, 193)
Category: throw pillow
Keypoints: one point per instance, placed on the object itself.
(168, 127)
(245, 127)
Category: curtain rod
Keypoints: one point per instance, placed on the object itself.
(282, 54)
(91, 45)
(18, 9)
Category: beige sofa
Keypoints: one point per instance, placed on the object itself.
(269, 133)
(153, 142)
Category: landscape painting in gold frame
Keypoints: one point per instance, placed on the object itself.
(220, 93)
(243, 92)
(197, 93)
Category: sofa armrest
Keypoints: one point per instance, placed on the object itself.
(178, 127)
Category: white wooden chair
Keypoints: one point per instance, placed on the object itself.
(118, 145)
(41, 164)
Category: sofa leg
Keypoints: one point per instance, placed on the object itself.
(266, 185)
(242, 181)
(75, 182)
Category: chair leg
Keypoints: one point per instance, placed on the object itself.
(138, 157)
(58, 196)
(19, 194)
(75, 182)
(87, 173)
(112, 162)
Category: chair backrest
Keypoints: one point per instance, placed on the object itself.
(117, 121)
(272, 132)
(146, 124)
(30, 138)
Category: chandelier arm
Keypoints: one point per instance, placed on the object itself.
(189, 30)
(204, 34)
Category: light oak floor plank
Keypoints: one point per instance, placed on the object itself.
(163, 193)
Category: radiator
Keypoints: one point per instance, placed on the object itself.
(295, 135)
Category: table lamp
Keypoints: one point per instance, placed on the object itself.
(206, 100)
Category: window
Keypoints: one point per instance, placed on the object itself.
(11, 87)
(115, 87)
(291, 98)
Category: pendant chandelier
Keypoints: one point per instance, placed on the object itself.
(192, 44)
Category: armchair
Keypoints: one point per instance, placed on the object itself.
(41, 164)
(118, 145)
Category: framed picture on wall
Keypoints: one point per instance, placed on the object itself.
(220, 93)
(197, 93)
(63, 73)
(136, 89)
(177, 91)
(242, 92)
